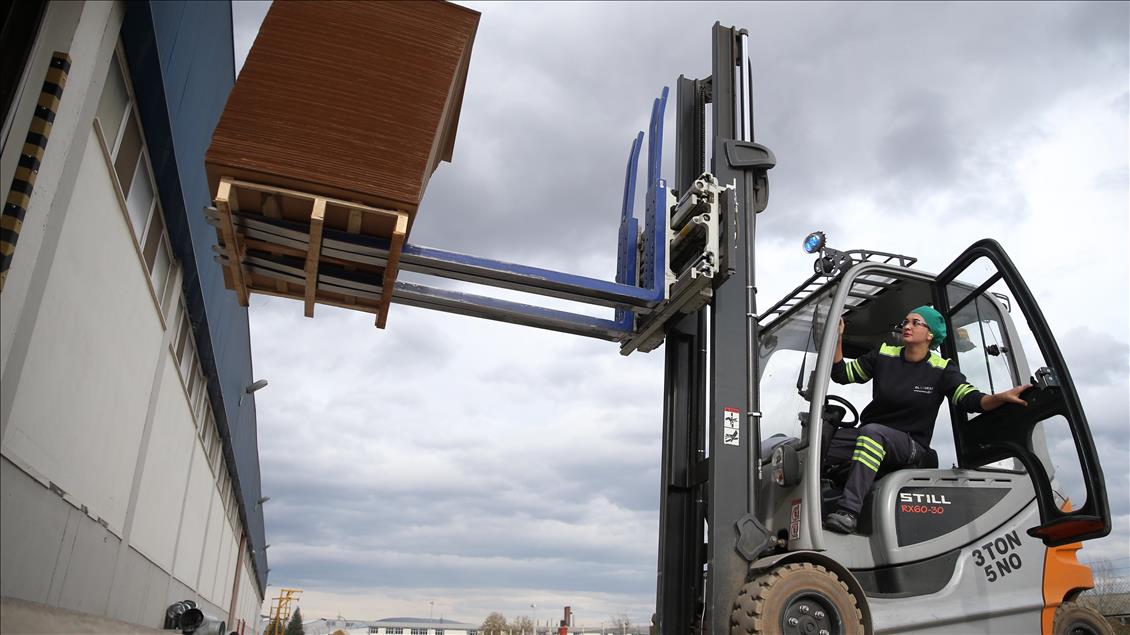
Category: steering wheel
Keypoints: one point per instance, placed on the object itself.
(848, 406)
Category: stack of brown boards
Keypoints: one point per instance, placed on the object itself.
(339, 117)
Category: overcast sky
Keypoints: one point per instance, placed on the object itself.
(483, 466)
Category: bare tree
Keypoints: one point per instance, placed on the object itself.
(522, 626)
(621, 624)
(1111, 594)
(495, 624)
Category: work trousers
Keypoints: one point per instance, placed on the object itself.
(870, 448)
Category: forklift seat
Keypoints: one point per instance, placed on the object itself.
(930, 461)
(832, 483)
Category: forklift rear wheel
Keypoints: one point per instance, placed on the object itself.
(796, 598)
(1076, 619)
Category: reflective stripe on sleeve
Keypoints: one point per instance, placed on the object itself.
(962, 391)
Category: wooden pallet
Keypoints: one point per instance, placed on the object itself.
(315, 213)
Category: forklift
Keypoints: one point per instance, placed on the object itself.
(986, 545)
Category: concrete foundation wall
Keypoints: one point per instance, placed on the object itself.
(69, 560)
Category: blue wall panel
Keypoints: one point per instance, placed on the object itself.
(183, 67)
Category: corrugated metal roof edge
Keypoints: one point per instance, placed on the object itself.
(139, 38)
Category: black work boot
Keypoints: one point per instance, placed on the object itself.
(841, 522)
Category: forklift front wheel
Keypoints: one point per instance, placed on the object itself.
(796, 598)
(1072, 618)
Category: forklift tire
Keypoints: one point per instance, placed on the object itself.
(796, 598)
(1072, 618)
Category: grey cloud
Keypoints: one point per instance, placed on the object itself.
(1101, 28)
(1117, 180)
(1096, 358)
(919, 150)
(1121, 105)
(527, 166)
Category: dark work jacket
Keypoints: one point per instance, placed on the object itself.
(906, 395)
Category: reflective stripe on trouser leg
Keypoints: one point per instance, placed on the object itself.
(864, 468)
(876, 446)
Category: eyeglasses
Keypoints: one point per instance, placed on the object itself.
(915, 323)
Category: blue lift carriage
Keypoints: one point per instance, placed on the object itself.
(740, 525)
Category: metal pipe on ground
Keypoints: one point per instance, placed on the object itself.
(175, 613)
(197, 622)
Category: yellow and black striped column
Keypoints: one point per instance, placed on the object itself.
(19, 195)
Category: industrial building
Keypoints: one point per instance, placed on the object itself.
(129, 465)
(390, 626)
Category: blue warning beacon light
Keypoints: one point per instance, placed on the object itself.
(814, 243)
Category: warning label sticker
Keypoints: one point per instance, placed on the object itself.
(794, 521)
(731, 426)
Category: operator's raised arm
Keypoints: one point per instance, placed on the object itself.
(856, 371)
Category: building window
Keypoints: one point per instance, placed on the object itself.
(124, 144)
(394, 631)
(439, 631)
(199, 394)
(211, 441)
(233, 512)
(419, 631)
(214, 449)
(225, 483)
(114, 104)
(139, 203)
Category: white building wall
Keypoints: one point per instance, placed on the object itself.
(245, 599)
(208, 557)
(222, 578)
(252, 601)
(225, 578)
(165, 471)
(193, 528)
(88, 32)
(115, 498)
(79, 411)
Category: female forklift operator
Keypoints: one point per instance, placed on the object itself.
(910, 382)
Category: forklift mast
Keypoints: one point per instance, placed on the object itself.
(710, 410)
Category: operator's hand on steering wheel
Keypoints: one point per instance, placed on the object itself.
(1012, 395)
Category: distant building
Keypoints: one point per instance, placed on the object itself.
(423, 626)
(387, 626)
(330, 626)
(130, 468)
(418, 626)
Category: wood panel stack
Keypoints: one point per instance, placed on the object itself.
(340, 115)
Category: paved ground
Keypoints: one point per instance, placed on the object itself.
(18, 617)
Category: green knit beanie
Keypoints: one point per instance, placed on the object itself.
(934, 322)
